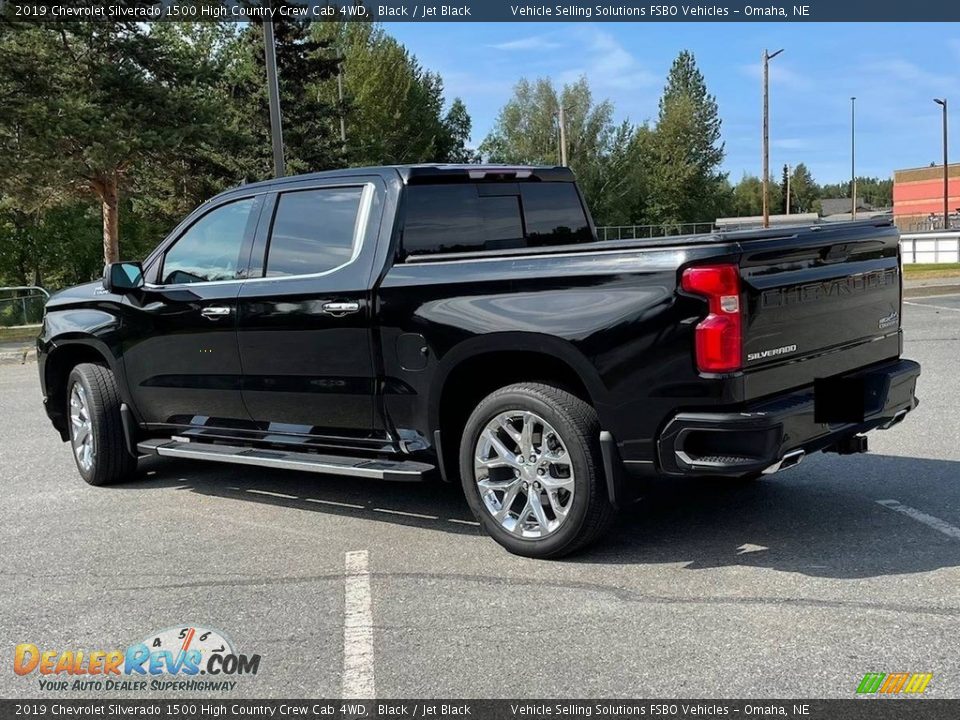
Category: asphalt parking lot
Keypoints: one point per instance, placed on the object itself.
(793, 586)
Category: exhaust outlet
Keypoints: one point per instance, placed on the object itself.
(897, 419)
(791, 459)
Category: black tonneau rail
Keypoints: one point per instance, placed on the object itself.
(718, 237)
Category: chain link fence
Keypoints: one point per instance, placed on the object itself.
(22, 305)
(644, 232)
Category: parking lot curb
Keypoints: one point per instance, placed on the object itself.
(946, 288)
(18, 357)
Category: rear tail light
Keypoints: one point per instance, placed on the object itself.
(719, 336)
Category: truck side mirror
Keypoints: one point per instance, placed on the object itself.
(122, 277)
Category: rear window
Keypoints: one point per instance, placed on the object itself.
(554, 215)
(492, 216)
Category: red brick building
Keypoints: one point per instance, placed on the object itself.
(918, 197)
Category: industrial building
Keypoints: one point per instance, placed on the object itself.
(918, 197)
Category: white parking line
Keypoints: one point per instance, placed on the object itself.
(357, 628)
(472, 523)
(928, 520)
(285, 496)
(404, 513)
(334, 503)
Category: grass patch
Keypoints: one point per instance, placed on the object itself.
(927, 271)
(27, 334)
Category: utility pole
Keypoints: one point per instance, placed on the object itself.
(787, 173)
(563, 136)
(273, 90)
(853, 161)
(767, 57)
(946, 168)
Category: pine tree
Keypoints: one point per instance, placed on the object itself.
(685, 182)
(458, 125)
(786, 202)
(87, 105)
(803, 189)
(304, 60)
(393, 107)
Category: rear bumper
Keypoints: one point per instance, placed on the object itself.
(762, 434)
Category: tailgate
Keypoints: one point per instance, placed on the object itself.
(821, 301)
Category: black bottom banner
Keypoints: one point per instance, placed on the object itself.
(853, 709)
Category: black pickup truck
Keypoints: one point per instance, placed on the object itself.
(402, 322)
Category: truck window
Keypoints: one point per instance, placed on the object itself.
(554, 215)
(455, 218)
(210, 249)
(313, 231)
(492, 216)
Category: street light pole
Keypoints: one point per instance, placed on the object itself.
(273, 90)
(767, 57)
(853, 158)
(946, 168)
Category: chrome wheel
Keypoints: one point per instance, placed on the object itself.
(524, 474)
(81, 428)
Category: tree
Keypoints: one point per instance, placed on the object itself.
(458, 125)
(685, 182)
(876, 191)
(304, 61)
(786, 201)
(598, 150)
(393, 108)
(747, 196)
(86, 105)
(803, 190)
(138, 124)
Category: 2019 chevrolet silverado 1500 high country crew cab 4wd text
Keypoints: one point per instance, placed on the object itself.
(392, 322)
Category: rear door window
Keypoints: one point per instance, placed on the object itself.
(314, 231)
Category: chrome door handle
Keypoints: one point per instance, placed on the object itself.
(215, 312)
(338, 309)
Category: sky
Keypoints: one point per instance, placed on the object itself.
(894, 70)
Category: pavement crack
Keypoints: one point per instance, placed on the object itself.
(622, 594)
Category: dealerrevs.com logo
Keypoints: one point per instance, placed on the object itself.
(186, 658)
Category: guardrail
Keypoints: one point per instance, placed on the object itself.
(930, 247)
(24, 306)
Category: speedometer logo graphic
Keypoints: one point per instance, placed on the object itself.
(182, 639)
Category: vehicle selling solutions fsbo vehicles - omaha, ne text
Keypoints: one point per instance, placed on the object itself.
(401, 322)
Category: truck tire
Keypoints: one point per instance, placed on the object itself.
(532, 470)
(96, 429)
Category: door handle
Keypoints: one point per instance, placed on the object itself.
(215, 312)
(339, 309)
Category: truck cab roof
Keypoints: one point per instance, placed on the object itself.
(430, 173)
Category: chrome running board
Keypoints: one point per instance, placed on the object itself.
(397, 470)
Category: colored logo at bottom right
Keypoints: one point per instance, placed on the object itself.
(903, 683)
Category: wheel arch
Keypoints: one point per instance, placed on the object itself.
(482, 364)
(58, 364)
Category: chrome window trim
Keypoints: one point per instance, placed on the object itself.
(359, 233)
